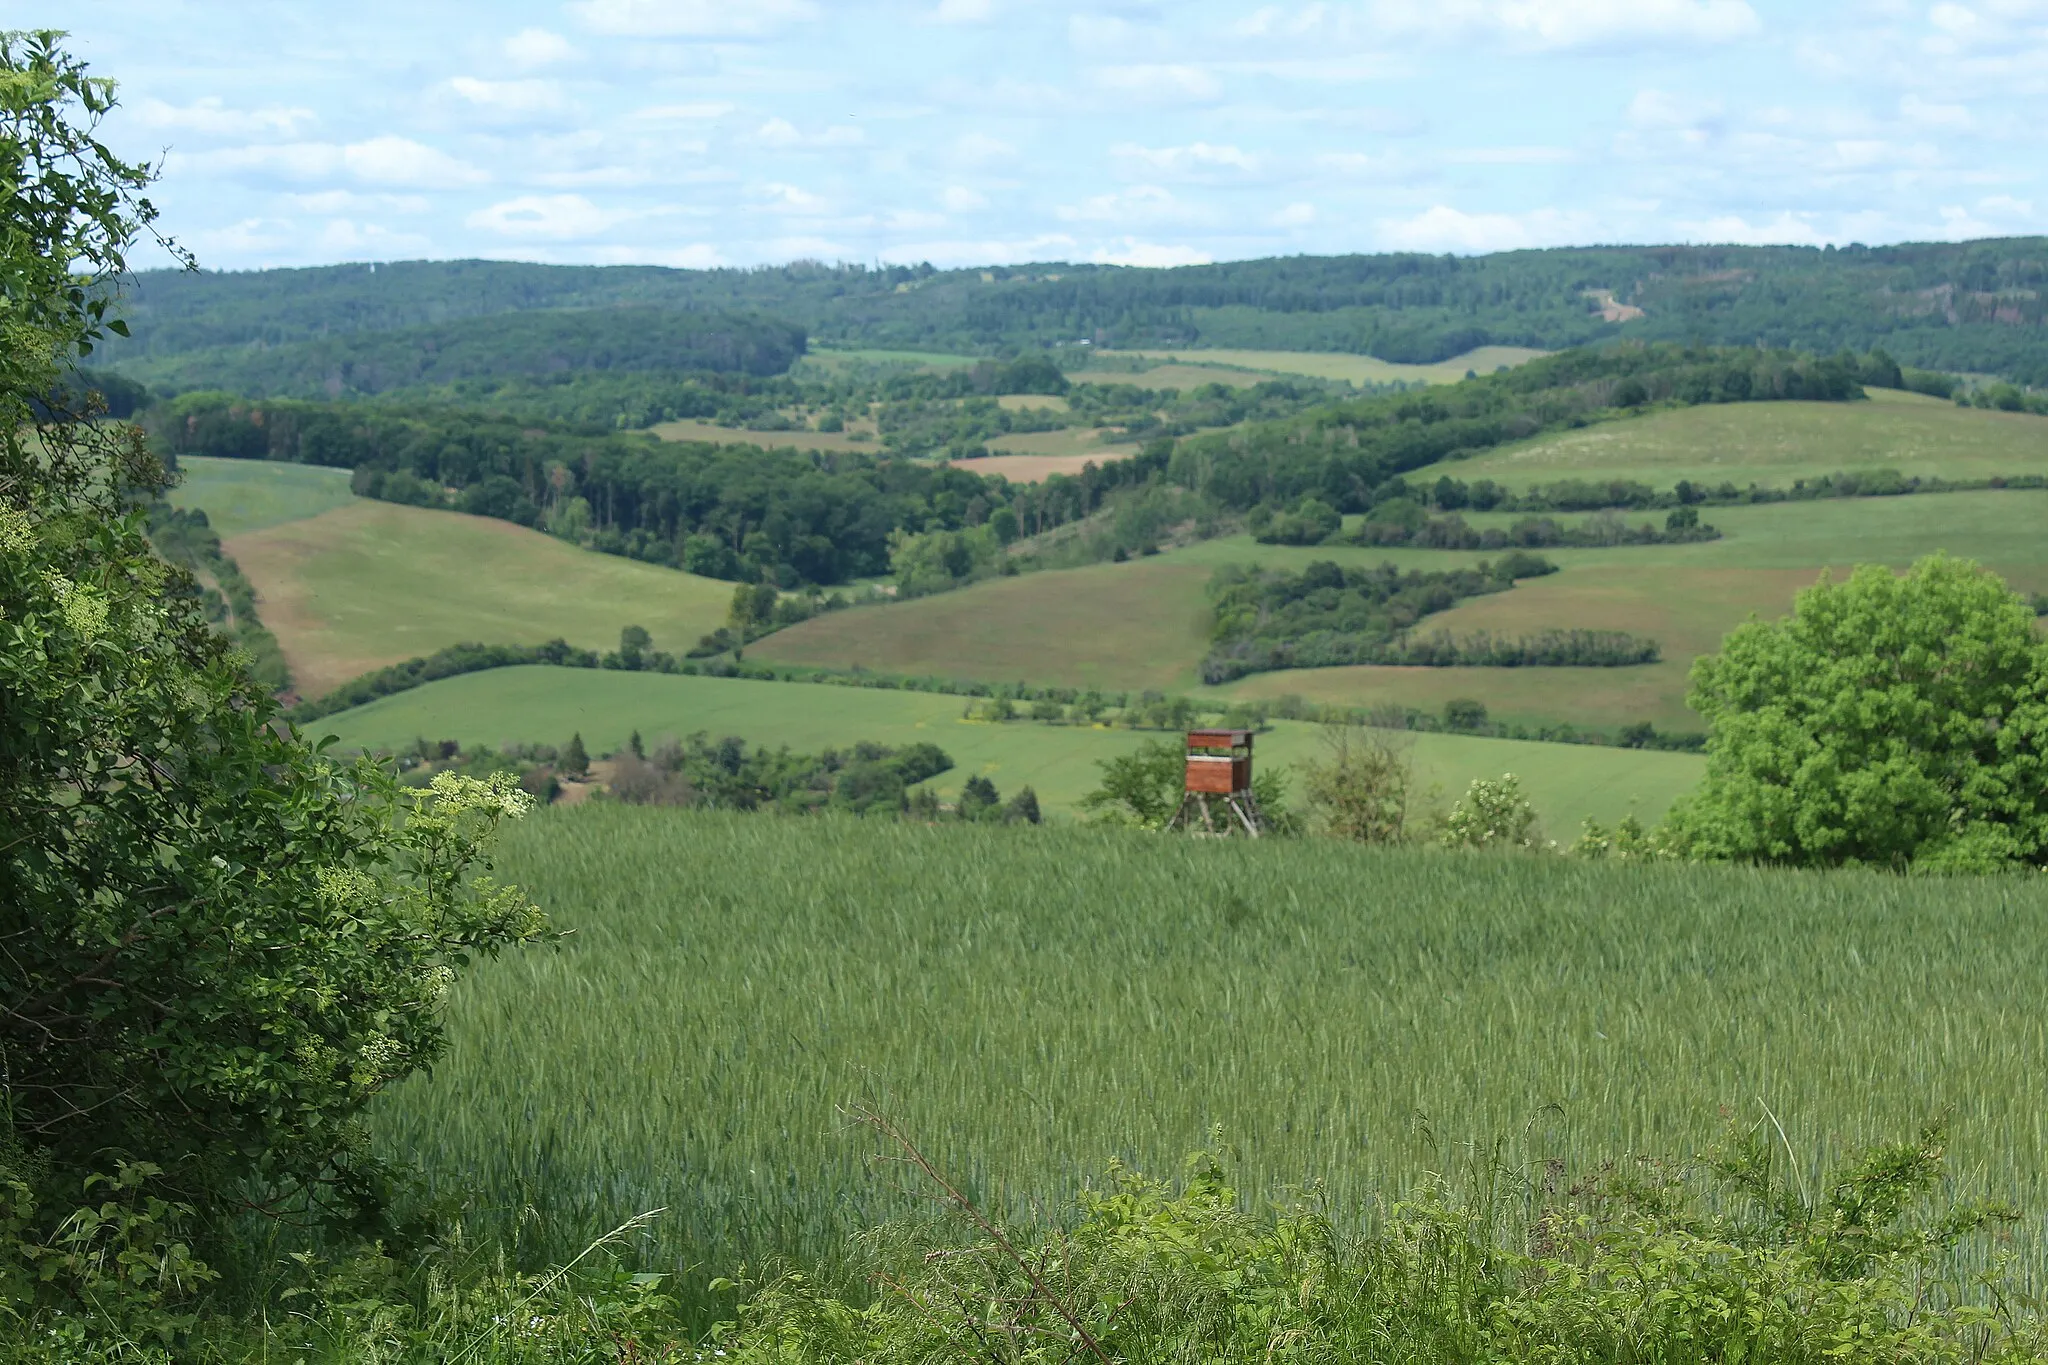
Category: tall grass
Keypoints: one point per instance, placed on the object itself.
(1030, 1004)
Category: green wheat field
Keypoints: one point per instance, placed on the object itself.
(1033, 1003)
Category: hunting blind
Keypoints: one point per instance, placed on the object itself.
(1219, 770)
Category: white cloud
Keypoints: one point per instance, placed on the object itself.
(1294, 215)
(792, 199)
(1100, 32)
(1158, 83)
(1787, 229)
(692, 256)
(1195, 157)
(1509, 156)
(1927, 114)
(682, 113)
(552, 215)
(1151, 255)
(519, 98)
(1442, 228)
(392, 160)
(1048, 246)
(779, 132)
(331, 203)
(211, 115)
(691, 18)
(979, 149)
(1660, 109)
(349, 238)
(1571, 23)
(1139, 204)
(963, 12)
(960, 199)
(537, 47)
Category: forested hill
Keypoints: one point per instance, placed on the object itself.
(1972, 306)
(634, 339)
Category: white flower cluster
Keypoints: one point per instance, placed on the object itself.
(498, 795)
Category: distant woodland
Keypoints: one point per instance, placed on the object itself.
(1975, 307)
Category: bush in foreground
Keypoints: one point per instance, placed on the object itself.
(1894, 721)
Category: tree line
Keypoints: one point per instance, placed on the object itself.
(1328, 615)
(1971, 306)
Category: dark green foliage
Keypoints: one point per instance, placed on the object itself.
(82, 392)
(742, 511)
(1142, 788)
(1311, 522)
(1347, 453)
(979, 799)
(1327, 614)
(1023, 808)
(1452, 532)
(1972, 306)
(1462, 713)
(575, 758)
(629, 340)
(1891, 721)
(728, 776)
(229, 601)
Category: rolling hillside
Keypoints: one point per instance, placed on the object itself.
(546, 705)
(1142, 624)
(348, 585)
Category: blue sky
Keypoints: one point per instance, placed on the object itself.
(966, 132)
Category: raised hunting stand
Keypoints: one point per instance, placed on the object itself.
(1219, 766)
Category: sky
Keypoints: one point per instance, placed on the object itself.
(981, 132)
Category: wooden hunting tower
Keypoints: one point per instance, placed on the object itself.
(1219, 769)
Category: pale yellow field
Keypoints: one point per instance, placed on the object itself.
(1037, 468)
(1175, 377)
(835, 441)
(1355, 369)
(1032, 402)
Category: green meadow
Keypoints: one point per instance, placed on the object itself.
(1775, 443)
(1354, 369)
(374, 583)
(240, 496)
(1566, 783)
(1032, 1003)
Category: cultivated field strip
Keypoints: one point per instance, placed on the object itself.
(1033, 1003)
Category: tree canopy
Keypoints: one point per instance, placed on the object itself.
(1895, 721)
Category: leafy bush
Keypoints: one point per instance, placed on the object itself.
(1726, 1259)
(1897, 721)
(1491, 814)
(1362, 786)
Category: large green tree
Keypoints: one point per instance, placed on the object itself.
(216, 944)
(1890, 720)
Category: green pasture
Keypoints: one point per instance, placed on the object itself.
(1354, 369)
(1775, 443)
(373, 583)
(1030, 1004)
(1566, 782)
(239, 496)
(1144, 623)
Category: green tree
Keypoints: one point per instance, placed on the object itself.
(1889, 720)
(1142, 788)
(575, 758)
(220, 944)
(1491, 814)
(1360, 789)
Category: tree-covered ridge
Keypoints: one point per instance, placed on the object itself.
(624, 339)
(1345, 453)
(1975, 306)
